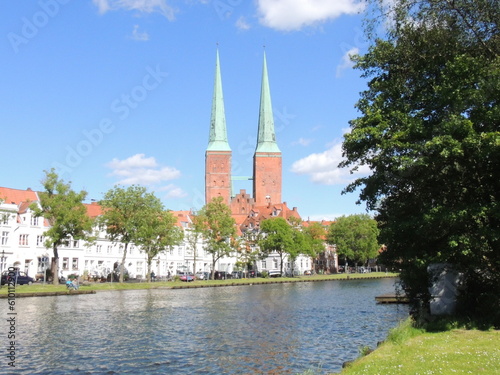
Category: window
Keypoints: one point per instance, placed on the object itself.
(34, 220)
(41, 264)
(5, 219)
(65, 264)
(131, 249)
(179, 250)
(75, 243)
(120, 249)
(39, 240)
(264, 265)
(109, 249)
(98, 249)
(3, 263)
(139, 268)
(23, 239)
(74, 264)
(5, 238)
(275, 263)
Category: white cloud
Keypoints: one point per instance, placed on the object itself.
(302, 142)
(173, 191)
(288, 15)
(135, 161)
(138, 35)
(242, 24)
(323, 167)
(140, 170)
(142, 6)
(346, 61)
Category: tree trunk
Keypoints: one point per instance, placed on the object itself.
(281, 263)
(122, 266)
(148, 276)
(213, 267)
(55, 266)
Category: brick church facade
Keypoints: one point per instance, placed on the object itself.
(267, 161)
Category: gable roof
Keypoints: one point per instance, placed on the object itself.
(93, 209)
(17, 196)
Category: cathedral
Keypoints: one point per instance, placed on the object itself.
(266, 199)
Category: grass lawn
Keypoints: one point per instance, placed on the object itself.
(40, 287)
(411, 351)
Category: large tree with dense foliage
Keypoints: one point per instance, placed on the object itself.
(218, 228)
(355, 237)
(429, 132)
(67, 216)
(277, 236)
(157, 233)
(125, 212)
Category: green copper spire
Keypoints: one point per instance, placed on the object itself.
(266, 139)
(218, 134)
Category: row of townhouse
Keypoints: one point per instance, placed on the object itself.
(22, 246)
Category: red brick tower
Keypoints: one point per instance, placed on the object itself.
(218, 153)
(267, 166)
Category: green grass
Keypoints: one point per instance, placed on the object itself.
(409, 350)
(39, 287)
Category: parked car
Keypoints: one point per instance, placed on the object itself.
(19, 277)
(253, 273)
(237, 275)
(307, 272)
(202, 275)
(274, 273)
(187, 277)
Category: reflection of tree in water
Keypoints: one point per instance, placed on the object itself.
(269, 315)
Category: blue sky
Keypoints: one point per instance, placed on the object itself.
(119, 92)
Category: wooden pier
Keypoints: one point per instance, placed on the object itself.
(391, 298)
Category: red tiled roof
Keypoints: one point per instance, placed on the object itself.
(17, 196)
(93, 209)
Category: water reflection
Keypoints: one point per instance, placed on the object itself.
(261, 329)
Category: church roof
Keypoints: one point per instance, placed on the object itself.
(266, 138)
(218, 133)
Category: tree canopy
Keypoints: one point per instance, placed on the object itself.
(355, 237)
(125, 213)
(218, 228)
(429, 132)
(278, 236)
(62, 207)
(157, 233)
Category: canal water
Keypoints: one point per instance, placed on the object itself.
(259, 329)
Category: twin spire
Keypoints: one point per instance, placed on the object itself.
(218, 133)
(266, 138)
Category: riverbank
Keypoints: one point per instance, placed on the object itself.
(39, 289)
(408, 350)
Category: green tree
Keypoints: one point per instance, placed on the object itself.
(316, 235)
(193, 235)
(429, 132)
(277, 236)
(125, 212)
(355, 237)
(67, 216)
(158, 232)
(218, 229)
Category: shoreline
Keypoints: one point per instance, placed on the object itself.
(60, 290)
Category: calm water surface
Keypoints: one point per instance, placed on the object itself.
(260, 329)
